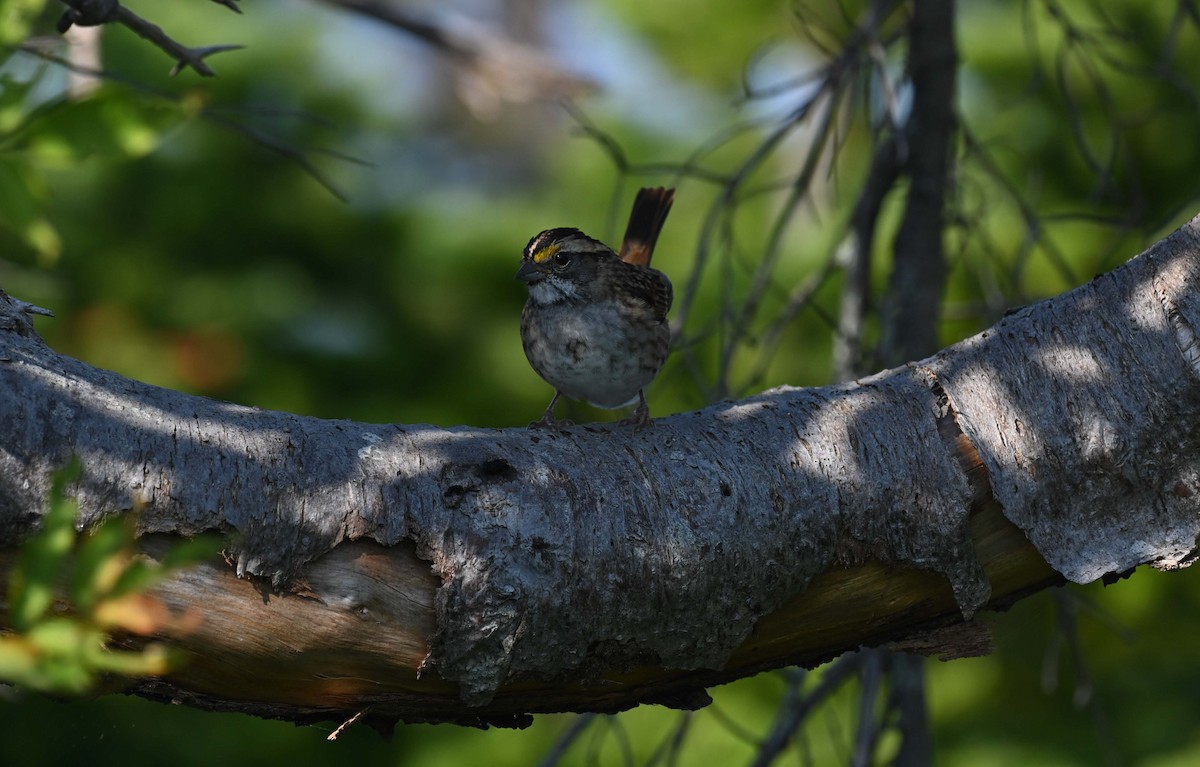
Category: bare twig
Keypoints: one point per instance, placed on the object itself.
(346, 724)
(907, 676)
(1084, 695)
(855, 257)
(796, 707)
(730, 725)
(184, 56)
(821, 98)
(675, 748)
(88, 13)
(869, 726)
(566, 739)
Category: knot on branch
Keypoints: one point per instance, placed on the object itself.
(88, 13)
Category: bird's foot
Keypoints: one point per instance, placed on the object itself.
(551, 423)
(641, 416)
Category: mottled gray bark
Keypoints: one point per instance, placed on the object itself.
(600, 566)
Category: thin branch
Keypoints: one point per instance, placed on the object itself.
(774, 248)
(622, 736)
(907, 676)
(795, 707)
(283, 149)
(730, 725)
(856, 259)
(1084, 694)
(88, 13)
(184, 56)
(567, 739)
(337, 733)
(869, 726)
(674, 744)
(1034, 224)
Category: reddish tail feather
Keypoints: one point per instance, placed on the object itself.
(650, 209)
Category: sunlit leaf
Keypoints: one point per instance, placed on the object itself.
(103, 557)
(45, 241)
(18, 660)
(153, 660)
(138, 575)
(134, 613)
(62, 637)
(111, 123)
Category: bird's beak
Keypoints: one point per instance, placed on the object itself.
(529, 272)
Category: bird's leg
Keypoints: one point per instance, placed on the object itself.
(641, 414)
(548, 421)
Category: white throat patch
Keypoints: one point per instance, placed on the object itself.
(551, 290)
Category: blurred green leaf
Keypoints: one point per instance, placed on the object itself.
(43, 557)
(153, 660)
(14, 101)
(138, 574)
(104, 583)
(21, 205)
(18, 660)
(133, 613)
(102, 559)
(111, 122)
(16, 19)
(60, 646)
(61, 637)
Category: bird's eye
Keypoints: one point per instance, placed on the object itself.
(562, 259)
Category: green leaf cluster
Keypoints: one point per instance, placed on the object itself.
(40, 136)
(69, 593)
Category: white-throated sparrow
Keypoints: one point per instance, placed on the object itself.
(595, 325)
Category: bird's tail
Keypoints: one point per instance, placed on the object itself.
(650, 209)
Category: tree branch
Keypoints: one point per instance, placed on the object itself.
(89, 13)
(479, 575)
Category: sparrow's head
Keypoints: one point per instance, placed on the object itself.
(560, 264)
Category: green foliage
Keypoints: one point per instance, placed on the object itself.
(17, 18)
(34, 580)
(112, 123)
(38, 136)
(68, 593)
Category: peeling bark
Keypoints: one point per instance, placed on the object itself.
(478, 575)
